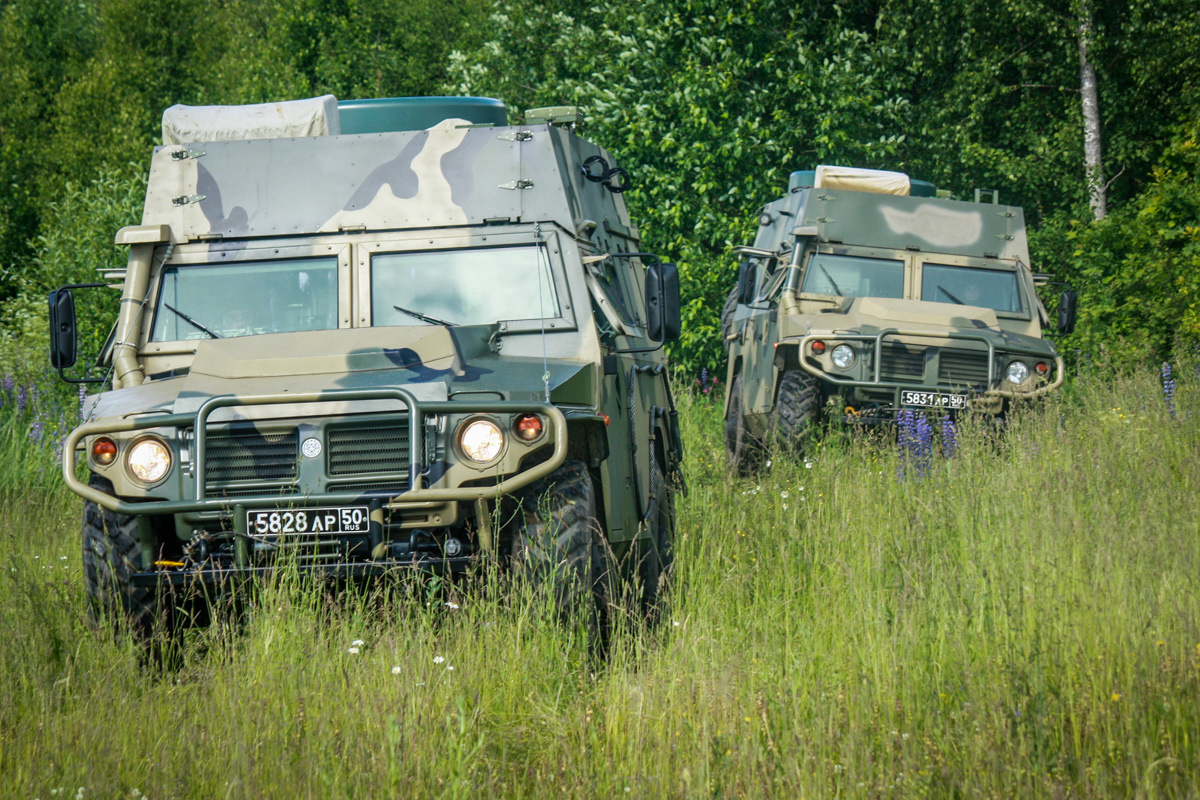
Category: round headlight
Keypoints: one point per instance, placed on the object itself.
(481, 440)
(149, 460)
(1018, 372)
(843, 356)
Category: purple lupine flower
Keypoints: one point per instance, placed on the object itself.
(36, 432)
(9, 383)
(22, 398)
(1168, 382)
(949, 437)
(924, 444)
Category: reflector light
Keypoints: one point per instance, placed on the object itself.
(818, 347)
(1041, 368)
(529, 427)
(104, 451)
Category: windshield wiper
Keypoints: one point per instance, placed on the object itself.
(946, 292)
(425, 317)
(832, 282)
(199, 325)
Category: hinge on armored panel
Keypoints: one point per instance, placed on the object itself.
(524, 183)
(187, 152)
(516, 136)
(184, 199)
(568, 116)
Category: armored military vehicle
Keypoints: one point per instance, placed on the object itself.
(370, 336)
(864, 293)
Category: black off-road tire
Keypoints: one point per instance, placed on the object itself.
(558, 543)
(731, 304)
(658, 549)
(111, 552)
(743, 452)
(798, 405)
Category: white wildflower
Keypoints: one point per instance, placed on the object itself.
(438, 659)
(395, 670)
(352, 651)
(357, 643)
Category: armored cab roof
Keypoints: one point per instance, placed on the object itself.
(457, 172)
(871, 208)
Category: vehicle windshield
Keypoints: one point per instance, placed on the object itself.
(854, 276)
(478, 286)
(223, 301)
(988, 288)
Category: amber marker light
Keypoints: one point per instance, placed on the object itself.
(529, 427)
(1041, 368)
(818, 347)
(104, 451)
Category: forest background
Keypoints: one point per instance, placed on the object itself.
(708, 104)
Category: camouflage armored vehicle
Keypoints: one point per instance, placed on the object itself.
(864, 293)
(375, 335)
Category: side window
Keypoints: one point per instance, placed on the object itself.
(614, 275)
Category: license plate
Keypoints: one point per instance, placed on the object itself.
(293, 521)
(934, 399)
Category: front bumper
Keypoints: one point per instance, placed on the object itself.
(875, 341)
(416, 495)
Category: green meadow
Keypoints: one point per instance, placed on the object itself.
(1017, 618)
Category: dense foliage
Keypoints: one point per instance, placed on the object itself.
(710, 104)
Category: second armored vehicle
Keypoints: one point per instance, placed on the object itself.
(864, 293)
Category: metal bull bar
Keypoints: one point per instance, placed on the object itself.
(877, 381)
(416, 411)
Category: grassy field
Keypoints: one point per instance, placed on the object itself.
(1020, 619)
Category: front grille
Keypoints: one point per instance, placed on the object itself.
(246, 454)
(901, 362)
(963, 368)
(375, 450)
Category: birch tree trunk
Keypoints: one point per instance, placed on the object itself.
(1093, 169)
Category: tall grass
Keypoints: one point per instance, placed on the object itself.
(1019, 619)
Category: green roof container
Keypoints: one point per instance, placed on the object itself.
(386, 114)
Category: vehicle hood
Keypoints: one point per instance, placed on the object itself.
(870, 315)
(432, 362)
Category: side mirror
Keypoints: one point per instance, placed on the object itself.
(745, 283)
(62, 329)
(663, 314)
(1066, 311)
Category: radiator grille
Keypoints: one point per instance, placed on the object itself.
(963, 368)
(250, 455)
(369, 451)
(902, 362)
